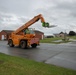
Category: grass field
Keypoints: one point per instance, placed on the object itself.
(72, 37)
(51, 40)
(11, 65)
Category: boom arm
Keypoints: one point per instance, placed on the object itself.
(32, 21)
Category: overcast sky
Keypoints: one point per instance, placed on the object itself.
(14, 13)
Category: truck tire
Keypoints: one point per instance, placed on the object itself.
(34, 45)
(23, 44)
(10, 43)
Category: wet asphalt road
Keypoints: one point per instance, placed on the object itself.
(63, 55)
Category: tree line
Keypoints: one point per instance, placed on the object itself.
(72, 33)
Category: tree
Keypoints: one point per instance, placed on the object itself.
(72, 33)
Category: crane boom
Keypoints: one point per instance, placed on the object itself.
(29, 23)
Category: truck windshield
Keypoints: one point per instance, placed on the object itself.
(31, 31)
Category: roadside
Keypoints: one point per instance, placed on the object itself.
(11, 65)
(58, 40)
(48, 53)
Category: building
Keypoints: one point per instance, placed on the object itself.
(61, 34)
(50, 36)
(39, 34)
(4, 34)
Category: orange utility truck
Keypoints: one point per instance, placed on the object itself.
(25, 37)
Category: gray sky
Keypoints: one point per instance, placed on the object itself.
(14, 13)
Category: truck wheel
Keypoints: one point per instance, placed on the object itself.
(34, 45)
(10, 43)
(23, 44)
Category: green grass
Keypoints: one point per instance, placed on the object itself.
(72, 37)
(11, 65)
(51, 40)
